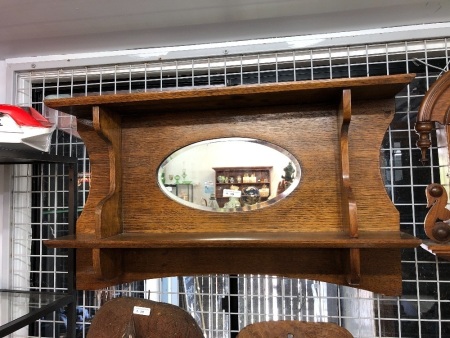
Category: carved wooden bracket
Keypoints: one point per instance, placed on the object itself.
(436, 223)
(435, 226)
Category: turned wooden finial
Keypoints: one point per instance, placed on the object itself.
(423, 129)
(434, 108)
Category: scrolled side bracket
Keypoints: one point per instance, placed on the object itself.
(437, 226)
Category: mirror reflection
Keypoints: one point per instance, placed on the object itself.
(229, 174)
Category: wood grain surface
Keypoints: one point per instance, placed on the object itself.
(380, 268)
(142, 197)
(307, 132)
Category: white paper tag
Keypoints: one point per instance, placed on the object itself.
(143, 311)
(231, 193)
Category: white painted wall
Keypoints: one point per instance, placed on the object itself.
(3, 81)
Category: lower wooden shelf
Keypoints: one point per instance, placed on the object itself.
(22, 308)
(371, 261)
(440, 250)
(368, 239)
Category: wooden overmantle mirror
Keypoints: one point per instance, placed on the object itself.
(338, 225)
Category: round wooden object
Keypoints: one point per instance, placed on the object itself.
(116, 319)
(293, 329)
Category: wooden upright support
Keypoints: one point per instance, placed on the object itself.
(348, 202)
(107, 263)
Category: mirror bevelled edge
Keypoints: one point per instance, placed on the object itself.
(227, 175)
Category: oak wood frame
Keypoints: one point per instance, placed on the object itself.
(337, 226)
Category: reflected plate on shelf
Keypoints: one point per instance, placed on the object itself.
(250, 195)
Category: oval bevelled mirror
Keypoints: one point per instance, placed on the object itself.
(229, 174)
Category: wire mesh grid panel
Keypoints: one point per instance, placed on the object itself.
(222, 304)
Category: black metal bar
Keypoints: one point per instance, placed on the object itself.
(72, 214)
(17, 156)
(31, 317)
(71, 261)
(234, 306)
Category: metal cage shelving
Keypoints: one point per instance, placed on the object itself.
(41, 303)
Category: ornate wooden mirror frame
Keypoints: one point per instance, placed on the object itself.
(338, 225)
(435, 107)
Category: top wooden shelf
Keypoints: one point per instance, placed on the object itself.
(184, 100)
